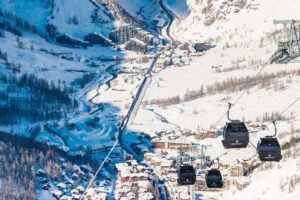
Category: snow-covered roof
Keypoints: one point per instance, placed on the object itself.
(61, 185)
(137, 41)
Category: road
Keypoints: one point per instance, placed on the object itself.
(133, 111)
(137, 100)
(146, 81)
(127, 120)
(171, 19)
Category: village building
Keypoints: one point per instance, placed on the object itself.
(136, 45)
(201, 135)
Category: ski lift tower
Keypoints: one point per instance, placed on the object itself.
(290, 47)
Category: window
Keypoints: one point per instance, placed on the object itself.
(236, 128)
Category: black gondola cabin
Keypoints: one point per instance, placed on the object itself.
(235, 135)
(268, 149)
(214, 179)
(186, 175)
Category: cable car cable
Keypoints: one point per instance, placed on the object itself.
(239, 98)
(289, 106)
(99, 169)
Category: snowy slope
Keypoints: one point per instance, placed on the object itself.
(250, 18)
(65, 11)
(73, 18)
(245, 38)
(36, 12)
(142, 9)
(179, 8)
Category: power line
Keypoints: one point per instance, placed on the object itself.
(283, 111)
(235, 102)
(289, 106)
(239, 97)
(120, 130)
(286, 109)
(99, 169)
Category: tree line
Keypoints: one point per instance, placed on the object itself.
(18, 24)
(34, 99)
(263, 81)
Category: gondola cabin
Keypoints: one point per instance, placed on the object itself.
(235, 135)
(213, 179)
(186, 175)
(268, 149)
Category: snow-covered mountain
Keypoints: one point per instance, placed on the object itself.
(74, 18)
(223, 18)
(86, 99)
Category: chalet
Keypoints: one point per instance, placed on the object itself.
(69, 182)
(146, 196)
(122, 34)
(76, 169)
(136, 45)
(145, 36)
(40, 172)
(65, 197)
(161, 63)
(159, 21)
(144, 59)
(234, 169)
(44, 181)
(57, 194)
(81, 173)
(61, 186)
(130, 172)
(85, 168)
(75, 197)
(184, 195)
(74, 191)
(241, 183)
(206, 134)
(46, 186)
(160, 144)
(177, 62)
(181, 146)
(74, 176)
(173, 177)
(200, 47)
(80, 188)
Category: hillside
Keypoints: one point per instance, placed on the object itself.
(115, 96)
(75, 19)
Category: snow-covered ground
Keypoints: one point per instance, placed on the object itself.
(61, 64)
(144, 10)
(245, 38)
(179, 8)
(65, 11)
(75, 19)
(245, 20)
(242, 49)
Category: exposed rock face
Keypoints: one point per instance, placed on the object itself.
(213, 10)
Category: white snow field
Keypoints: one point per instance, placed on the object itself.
(242, 49)
(245, 39)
